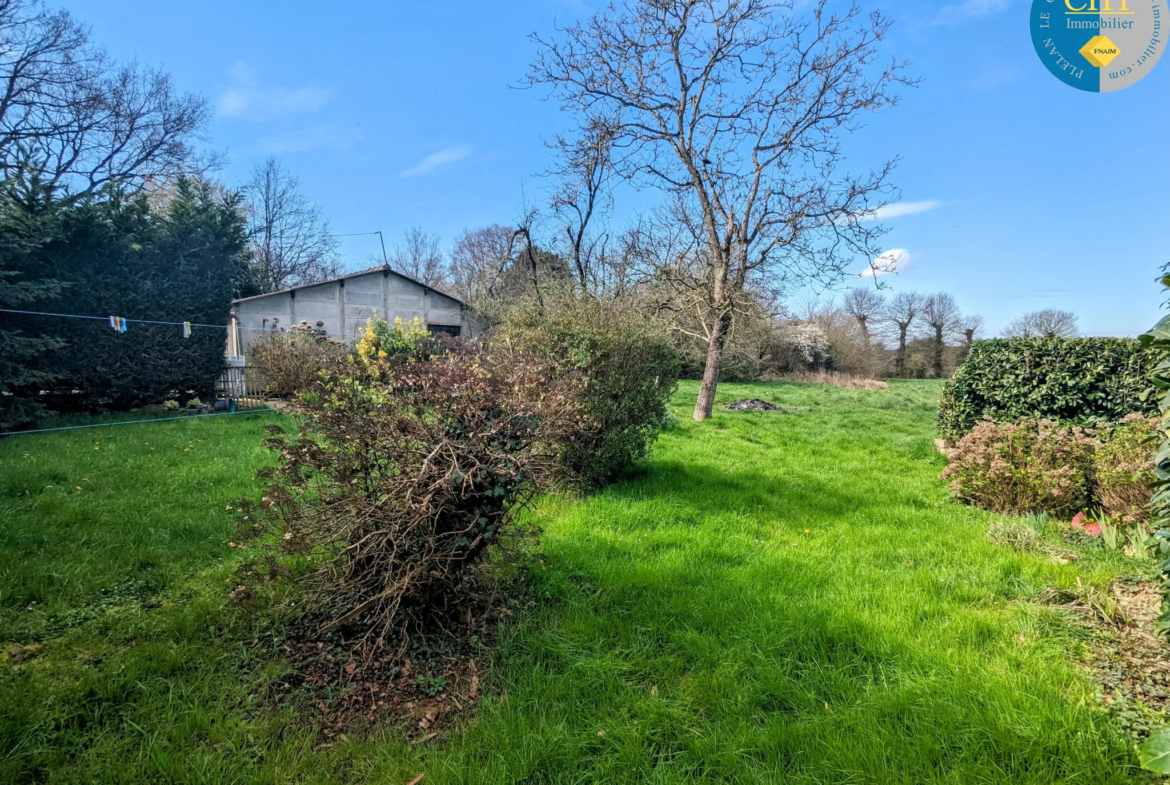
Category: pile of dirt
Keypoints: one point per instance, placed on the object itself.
(752, 404)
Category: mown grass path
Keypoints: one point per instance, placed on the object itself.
(775, 597)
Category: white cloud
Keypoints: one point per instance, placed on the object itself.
(435, 160)
(247, 97)
(899, 209)
(895, 260)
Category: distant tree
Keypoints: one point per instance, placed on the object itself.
(419, 255)
(289, 237)
(735, 108)
(1048, 323)
(972, 327)
(901, 311)
(87, 119)
(942, 315)
(584, 170)
(478, 262)
(866, 306)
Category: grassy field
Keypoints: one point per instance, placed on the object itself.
(776, 597)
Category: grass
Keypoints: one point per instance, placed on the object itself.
(775, 597)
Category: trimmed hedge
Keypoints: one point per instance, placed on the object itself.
(1063, 379)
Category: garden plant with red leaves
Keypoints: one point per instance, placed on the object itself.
(404, 475)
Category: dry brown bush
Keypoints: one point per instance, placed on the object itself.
(401, 478)
(290, 360)
(835, 378)
(1022, 467)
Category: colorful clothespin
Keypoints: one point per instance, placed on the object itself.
(186, 329)
(114, 323)
(122, 324)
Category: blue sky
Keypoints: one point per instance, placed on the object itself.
(1022, 193)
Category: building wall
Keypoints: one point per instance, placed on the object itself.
(342, 307)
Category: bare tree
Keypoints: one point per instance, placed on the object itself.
(1048, 323)
(866, 306)
(291, 241)
(902, 309)
(941, 313)
(479, 260)
(419, 255)
(736, 108)
(972, 327)
(582, 196)
(83, 118)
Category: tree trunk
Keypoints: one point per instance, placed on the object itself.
(939, 343)
(900, 360)
(706, 400)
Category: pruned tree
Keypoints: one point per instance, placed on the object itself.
(419, 255)
(736, 107)
(866, 306)
(972, 327)
(85, 119)
(290, 238)
(901, 311)
(1047, 323)
(941, 314)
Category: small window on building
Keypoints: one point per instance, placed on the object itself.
(450, 329)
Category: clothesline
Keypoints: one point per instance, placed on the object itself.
(126, 319)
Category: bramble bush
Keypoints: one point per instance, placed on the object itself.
(1076, 380)
(629, 371)
(290, 360)
(402, 476)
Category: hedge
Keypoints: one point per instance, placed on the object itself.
(182, 261)
(1064, 379)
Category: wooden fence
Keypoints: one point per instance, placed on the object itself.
(245, 385)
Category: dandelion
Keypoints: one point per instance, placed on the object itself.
(806, 531)
(79, 487)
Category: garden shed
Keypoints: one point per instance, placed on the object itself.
(341, 306)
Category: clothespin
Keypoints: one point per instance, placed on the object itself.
(114, 323)
(186, 329)
(122, 322)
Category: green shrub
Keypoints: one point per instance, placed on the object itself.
(1022, 467)
(630, 370)
(382, 341)
(1077, 380)
(1123, 466)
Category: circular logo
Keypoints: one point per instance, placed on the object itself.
(1098, 45)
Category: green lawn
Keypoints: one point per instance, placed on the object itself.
(776, 597)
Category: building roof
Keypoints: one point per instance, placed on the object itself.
(382, 268)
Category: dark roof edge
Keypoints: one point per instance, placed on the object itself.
(379, 269)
